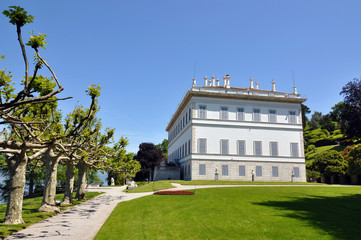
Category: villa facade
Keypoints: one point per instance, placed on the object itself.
(231, 133)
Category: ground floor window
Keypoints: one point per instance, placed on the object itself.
(202, 169)
(242, 170)
(296, 171)
(225, 170)
(274, 171)
(259, 171)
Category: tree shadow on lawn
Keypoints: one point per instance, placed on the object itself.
(338, 216)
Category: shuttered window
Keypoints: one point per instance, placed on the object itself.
(202, 143)
(294, 149)
(274, 171)
(224, 146)
(256, 115)
(202, 169)
(224, 113)
(274, 148)
(259, 171)
(242, 170)
(240, 114)
(272, 116)
(296, 171)
(225, 170)
(258, 148)
(241, 147)
(202, 112)
(292, 117)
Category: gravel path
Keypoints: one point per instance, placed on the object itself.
(83, 221)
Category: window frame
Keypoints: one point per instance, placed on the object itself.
(202, 113)
(202, 169)
(224, 113)
(274, 171)
(259, 171)
(255, 149)
(298, 151)
(240, 113)
(225, 171)
(242, 170)
(205, 145)
(221, 143)
(272, 153)
(272, 117)
(244, 147)
(258, 115)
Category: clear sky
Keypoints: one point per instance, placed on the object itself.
(143, 53)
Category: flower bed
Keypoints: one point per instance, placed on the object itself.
(174, 192)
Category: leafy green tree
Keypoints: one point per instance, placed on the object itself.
(351, 113)
(305, 110)
(148, 156)
(326, 123)
(330, 163)
(315, 120)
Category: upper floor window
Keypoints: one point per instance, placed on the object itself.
(202, 112)
(294, 149)
(240, 114)
(292, 117)
(256, 115)
(274, 148)
(241, 147)
(224, 146)
(272, 116)
(258, 148)
(202, 145)
(224, 113)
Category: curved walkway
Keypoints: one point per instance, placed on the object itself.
(83, 221)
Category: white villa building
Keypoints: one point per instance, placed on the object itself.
(231, 133)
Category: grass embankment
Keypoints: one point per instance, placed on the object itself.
(152, 186)
(31, 214)
(240, 213)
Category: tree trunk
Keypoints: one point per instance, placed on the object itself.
(51, 161)
(31, 185)
(17, 167)
(82, 181)
(69, 184)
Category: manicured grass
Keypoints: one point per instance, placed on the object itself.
(31, 215)
(152, 186)
(212, 182)
(240, 213)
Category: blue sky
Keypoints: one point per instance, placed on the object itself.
(143, 53)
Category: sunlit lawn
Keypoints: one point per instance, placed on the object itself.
(241, 213)
(30, 213)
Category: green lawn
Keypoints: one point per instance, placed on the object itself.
(31, 215)
(240, 213)
(212, 182)
(152, 186)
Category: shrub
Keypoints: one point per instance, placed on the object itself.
(312, 174)
(354, 160)
(325, 142)
(310, 148)
(330, 163)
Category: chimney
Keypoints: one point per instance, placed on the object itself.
(224, 81)
(256, 84)
(217, 82)
(273, 85)
(194, 82)
(228, 78)
(251, 82)
(295, 90)
(213, 81)
(205, 81)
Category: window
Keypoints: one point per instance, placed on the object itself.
(224, 113)
(292, 117)
(258, 171)
(202, 169)
(190, 114)
(189, 169)
(242, 170)
(241, 147)
(189, 147)
(256, 115)
(296, 171)
(257, 148)
(224, 146)
(186, 170)
(240, 114)
(274, 171)
(225, 170)
(202, 112)
(272, 116)
(186, 117)
(202, 144)
(274, 148)
(294, 149)
(186, 149)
